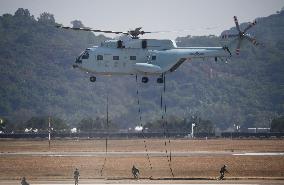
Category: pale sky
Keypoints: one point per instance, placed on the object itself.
(153, 15)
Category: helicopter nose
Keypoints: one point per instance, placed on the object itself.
(78, 61)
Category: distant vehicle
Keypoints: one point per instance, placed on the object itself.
(27, 130)
(73, 130)
(133, 56)
(138, 128)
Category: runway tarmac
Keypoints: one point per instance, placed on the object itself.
(239, 180)
(139, 153)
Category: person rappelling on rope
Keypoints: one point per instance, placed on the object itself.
(223, 170)
(135, 172)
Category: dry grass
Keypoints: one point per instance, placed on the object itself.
(119, 167)
(138, 145)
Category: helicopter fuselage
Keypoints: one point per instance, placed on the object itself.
(140, 56)
(131, 55)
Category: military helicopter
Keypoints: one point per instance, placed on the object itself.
(130, 55)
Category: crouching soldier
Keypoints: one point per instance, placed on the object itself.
(24, 182)
(223, 170)
(135, 172)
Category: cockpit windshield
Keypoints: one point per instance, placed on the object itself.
(85, 55)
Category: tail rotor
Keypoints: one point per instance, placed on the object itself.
(241, 35)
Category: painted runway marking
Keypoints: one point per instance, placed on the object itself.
(261, 154)
(142, 153)
(147, 184)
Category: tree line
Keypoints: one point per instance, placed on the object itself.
(171, 124)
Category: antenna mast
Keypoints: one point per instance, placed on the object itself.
(49, 131)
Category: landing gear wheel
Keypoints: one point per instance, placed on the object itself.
(160, 80)
(145, 79)
(93, 78)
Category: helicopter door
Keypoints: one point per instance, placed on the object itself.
(144, 44)
(152, 57)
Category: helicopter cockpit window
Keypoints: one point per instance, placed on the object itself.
(85, 55)
(132, 57)
(119, 44)
(144, 44)
(100, 57)
(115, 57)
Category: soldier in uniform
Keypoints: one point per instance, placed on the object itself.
(135, 172)
(24, 182)
(76, 176)
(223, 170)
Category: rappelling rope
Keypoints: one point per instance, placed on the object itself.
(166, 121)
(165, 126)
(107, 135)
(140, 122)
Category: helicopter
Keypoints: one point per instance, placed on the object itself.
(131, 55)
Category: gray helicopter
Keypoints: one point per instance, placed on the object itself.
(130, 55)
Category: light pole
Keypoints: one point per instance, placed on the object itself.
(237, 127)
(192, 130)
(49, 130)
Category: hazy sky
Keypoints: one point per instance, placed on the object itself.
(153, 15)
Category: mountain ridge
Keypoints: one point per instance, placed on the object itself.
(37, 79)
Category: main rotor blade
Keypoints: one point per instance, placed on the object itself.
(185, 30)
(143, 32)
(237, 23)
(225, 36)
(89, 29)
(251, 24)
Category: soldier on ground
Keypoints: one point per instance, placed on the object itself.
(76, 176)
(223, 170)
(24, 182)
(135, 172)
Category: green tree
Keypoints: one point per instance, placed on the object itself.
(21, 12)
(77, 24)
(3, 123)
(204, 126)
(41, 123)
(46, 18)
(89, 124)
(277, 124)
(58, 124)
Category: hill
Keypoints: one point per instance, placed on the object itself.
(37, 78)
